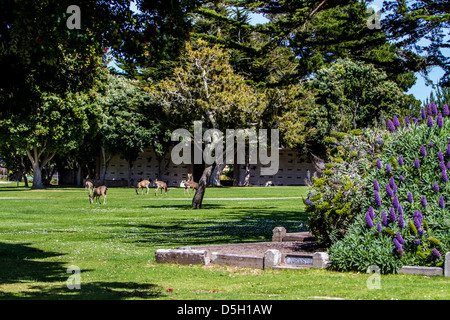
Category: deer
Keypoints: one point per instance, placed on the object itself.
(190, 184)
(97, 192)
(143, 184)
(160, 185)
(89, 186)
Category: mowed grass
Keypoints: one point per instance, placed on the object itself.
(43, 232)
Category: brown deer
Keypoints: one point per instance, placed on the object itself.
(143, 184)
(89, 186)
(190, 184)
(99, 191)
(160, 185)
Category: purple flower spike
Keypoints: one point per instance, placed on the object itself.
(400, 160)
(401, 178)
(377, 198)
(391, 126)
(417, 163)
(436, 187)
(400, 238)
(430, 122)
(384, 219)
(388, 168)
(422, 113)
(401, 222)
(448, 149)
(395, 202)
(392, 216)
(440, 156)
(420, 232)
(391, 182)
(389, 191)
(442, 166)
(376, 186)
(395, 121)
(448, 165)
(379, 163)
(378, 227)
(433, 108)
(441, 202)
(417, 219)
(398, 246)
(416, 122)
(400, 210)
(369, 221)
(444, 176)
(416, 242)
(410, 197)
(407, 121)
(423, 201)
(423, 151)
(429, 111)
(440, 121)
(371, 214)
(435, 254)
(446, 111)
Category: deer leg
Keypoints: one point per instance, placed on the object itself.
(104, 199)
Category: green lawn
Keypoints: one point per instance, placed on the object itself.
(43, 232)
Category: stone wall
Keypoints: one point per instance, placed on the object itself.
(293, 169)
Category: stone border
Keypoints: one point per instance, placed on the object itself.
(272, 258)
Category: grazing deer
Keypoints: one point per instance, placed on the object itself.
(160, 185)
(143, 184)
(89, 186)
(99, 191)
(190, 184)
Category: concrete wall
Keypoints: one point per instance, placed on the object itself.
(293, 170)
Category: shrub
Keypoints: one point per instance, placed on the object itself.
(411, 221)
(341, 185)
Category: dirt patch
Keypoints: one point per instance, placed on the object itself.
(259, 248)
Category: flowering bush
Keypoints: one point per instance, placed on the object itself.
(410, 182)
(334, 198)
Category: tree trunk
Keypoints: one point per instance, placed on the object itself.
(79, 177)
(198, 197)
(130, 168)
(215, 175)
(105, 165)
(37, 165)
(37, 176)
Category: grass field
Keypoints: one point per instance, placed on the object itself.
(43, 232)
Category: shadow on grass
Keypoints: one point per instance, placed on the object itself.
(19, 269)
(233, 225)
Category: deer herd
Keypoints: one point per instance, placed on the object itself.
(96, 192)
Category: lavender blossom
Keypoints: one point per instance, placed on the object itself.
(440, 156)
(422, 113)
(416, 122)
(398, 246)
(369, 221)
(379, 163)
(389, 191)
(439, 120)
(391, 182)
(308, 202)
(423, 151)
(400, 238)
(446, 111)
(444, 176)
(430, 122)
(371, 214)
(423, 201)
(407, 121)
(417, 219)
(435, 254)
(401, 178)
(429, 111)
(396, 122)
(388, 168)
(376, 186)
(448, 165)
(395, 202)
(400, 210)
(416, 242)
(448, 150)
(391, 126)
(392, 216)
(384, 219)
(442, 166)
(441, 202)
(436, 187)
(410, 197)
(433, 108)
(400, 160)
(401, 221)
(417, 163)
(420, 232)
(431, 144)
(378, 227)
(377, 198)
